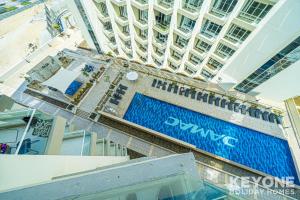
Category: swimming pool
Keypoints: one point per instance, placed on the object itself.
(251, 148)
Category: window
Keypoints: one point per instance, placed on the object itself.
(181, 42)
(210, 29)
(112, 40)
(143, 16)
(123, 11)
(193, 5)
(202, 46)
(286, 57)
(166, 3)
(143, 47)
(157, 62)
(163, 19)
(189, 70)
(144, 33)
(88, 25)
(107, 26)
(187, 24)
(161, 38)
(213, 64)
(159, 51)
(176, 55)
(102, 8)
(224, 51)
(254, 11)
(223, 7)
(128, 44)
(206, 74)
(125, 29)
(174, 67)
(237, 34)
(195, 60)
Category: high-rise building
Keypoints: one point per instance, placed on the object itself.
(250, 45)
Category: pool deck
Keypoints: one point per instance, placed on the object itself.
(143, 86)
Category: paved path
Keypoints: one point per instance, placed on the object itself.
(102, 131)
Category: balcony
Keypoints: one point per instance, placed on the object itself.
(166, 3)
(122, 20)
(103, 17)
(194, 60)
(189, 68)
(140, 4)
(183, 32)
(141, 40)
(200, 54)
(172, 66)
(141, 23)
(126, 49)
(174, 61)
(215, 19)
(211, 68)
(206, 74)
(142, 52)
(161, 44)
(162, 28)
(249, 18)
(119, 2)
(218, 13)
(164, 7)
(125, 36)
(158, 56)
(178, 48)
(112, 45)
(108, 32)
(189, 11)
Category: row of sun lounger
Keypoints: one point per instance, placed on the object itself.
(117, 96)
(217, 101)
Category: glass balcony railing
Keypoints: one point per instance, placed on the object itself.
(249, 17)
(76, 143)
(24, 132)
(218, 12)
(166, 4)
(163, 26)
(191, 8)
(161, 41)
(143, 21)
(142, 1)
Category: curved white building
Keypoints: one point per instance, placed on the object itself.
(220, 40)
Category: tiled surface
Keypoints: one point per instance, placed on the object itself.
(92, 99)
(143, 85)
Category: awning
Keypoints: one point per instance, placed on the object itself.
(62, 79)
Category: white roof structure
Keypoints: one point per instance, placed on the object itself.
(62, 79)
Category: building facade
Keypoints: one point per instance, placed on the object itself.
(224, 41)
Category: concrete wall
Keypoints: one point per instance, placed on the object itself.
(284, 85)
(80, 23)
(279, 29)
(20, 171)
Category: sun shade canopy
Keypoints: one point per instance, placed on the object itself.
(61, 80)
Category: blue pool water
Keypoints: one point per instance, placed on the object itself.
(251, 148)
(73, 88)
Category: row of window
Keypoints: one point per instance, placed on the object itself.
(287, 56)
(252, 11)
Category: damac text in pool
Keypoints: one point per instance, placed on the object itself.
(194, 129)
